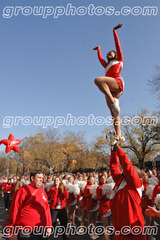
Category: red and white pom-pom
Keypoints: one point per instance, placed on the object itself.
(149, 191)
(107, 189)
(157, 201)
(93, 190)
(70, 188)
(82, 185)
(76, 189)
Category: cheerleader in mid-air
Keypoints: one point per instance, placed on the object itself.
(112, 84)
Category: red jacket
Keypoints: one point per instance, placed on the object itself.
(56, 196)
(34, 213)
(104, 203)
(126, 198)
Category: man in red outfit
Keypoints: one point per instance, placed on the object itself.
(29, 208)
(127, 215)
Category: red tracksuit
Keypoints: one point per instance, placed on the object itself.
(126, 198)
(104, 203)
(35, 213)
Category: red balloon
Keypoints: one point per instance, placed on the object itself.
(11, 143)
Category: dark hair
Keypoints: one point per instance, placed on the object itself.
(115, 53)
(61, 185)
(88, 179)
(33, 174)
(100, 179)
(139, 171)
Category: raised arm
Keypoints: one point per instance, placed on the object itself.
(129, 172)
(117, 43)
(101, 59)
(114, 168)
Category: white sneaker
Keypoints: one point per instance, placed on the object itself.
(122, 138)
(117, 138)
(80, 231)
(94, 236)
(80, 219)
(115, 108)
(91, 236)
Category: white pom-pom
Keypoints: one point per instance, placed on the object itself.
(96, 181)
(76, 181)
(76, 189)
(93, 190)
(70, 188)
(65, 182)
(110, 180)
(157, 201)
(48, 186)
(107, 189)
(149, 191)
(82, 185)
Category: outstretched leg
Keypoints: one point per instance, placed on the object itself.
(116, 121)
(107, 85)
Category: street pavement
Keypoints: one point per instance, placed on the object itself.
(4, 217)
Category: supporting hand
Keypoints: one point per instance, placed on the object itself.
(118, 26)
(116, 145)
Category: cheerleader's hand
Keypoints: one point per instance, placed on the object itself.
(118, 143)
(118, 26)
(95, 48)
(152, 212)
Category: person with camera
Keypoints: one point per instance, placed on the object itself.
(58, 194)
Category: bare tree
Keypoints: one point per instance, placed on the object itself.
(154, 83)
